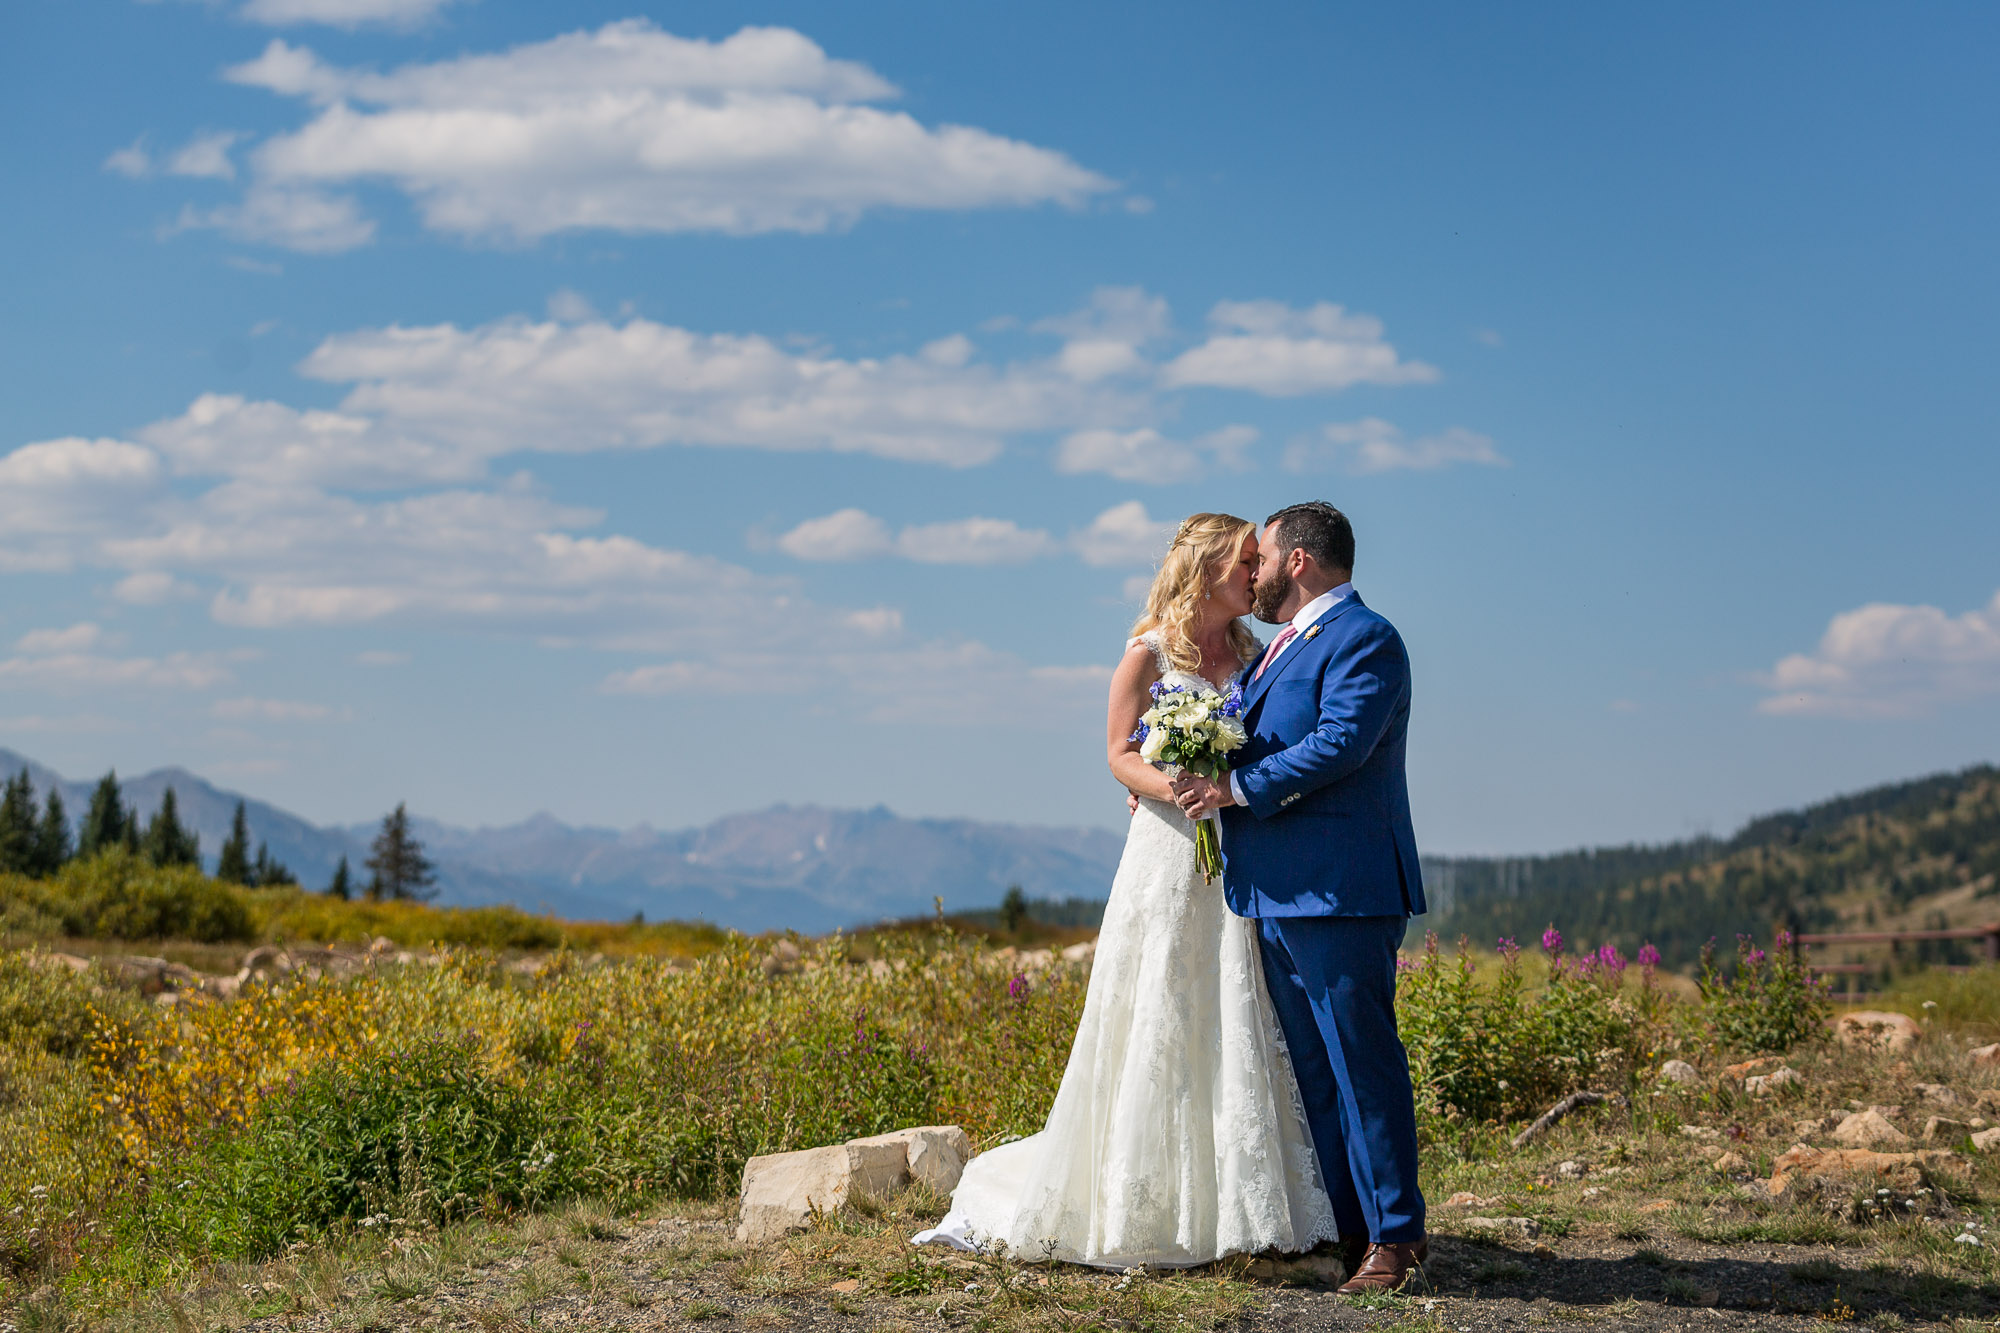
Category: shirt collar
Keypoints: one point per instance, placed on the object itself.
(1320, 605)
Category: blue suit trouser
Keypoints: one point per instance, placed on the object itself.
(1332, 981)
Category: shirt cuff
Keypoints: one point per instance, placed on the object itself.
(1236, 788)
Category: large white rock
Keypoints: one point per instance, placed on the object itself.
(936, 1154)
(782, 1191)
(1763, 1085)
(1680, 1071)
(1875, 1027)
(1868, 1129)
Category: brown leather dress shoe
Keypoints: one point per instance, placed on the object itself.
(1387, 1267)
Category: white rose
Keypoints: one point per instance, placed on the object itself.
(1154, 745)
(1229, 733)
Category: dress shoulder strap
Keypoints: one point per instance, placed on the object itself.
(1151, 638)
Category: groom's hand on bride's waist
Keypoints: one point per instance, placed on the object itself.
(1197, 796)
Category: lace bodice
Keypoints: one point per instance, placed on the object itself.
(1172, 674)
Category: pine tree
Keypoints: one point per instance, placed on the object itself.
(52, 844)
(166, 842)
(104, 822)
(397, 865)
(17, 826)
(233, 867)
(130, 838)
(267, 873)
(1013, 909)
(340, 888)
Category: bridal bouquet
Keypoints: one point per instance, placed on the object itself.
(1192, 728)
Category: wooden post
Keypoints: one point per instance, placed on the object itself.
(1993, 944)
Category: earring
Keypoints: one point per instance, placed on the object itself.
(1205, 596)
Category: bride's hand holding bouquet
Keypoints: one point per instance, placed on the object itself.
(1191, 729)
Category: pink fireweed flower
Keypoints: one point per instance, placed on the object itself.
(1552, 940)
(1017, 986)
(1610, 959)
(1508, 948)
(1649, 957)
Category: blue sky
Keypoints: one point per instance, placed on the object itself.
(652, 412)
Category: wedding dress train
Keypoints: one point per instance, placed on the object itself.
(1177, 1136)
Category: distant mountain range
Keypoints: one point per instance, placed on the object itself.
(798, 867)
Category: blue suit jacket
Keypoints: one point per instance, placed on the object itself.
(1326, 830)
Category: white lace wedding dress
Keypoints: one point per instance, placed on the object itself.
(1177, 1136)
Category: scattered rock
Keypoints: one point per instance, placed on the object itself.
(57, 962)
(1080, 953)
(1877, 1028)
(1679, 1071)
(1527, 1228)
(1986, 1055)
(1935, 1092)
(850, 1286)
(1571, 1170)
(148, 976)
(1817, 1125)
(1730, 1163)
(222, 988)
(934, 1154)
(1748, 1067)
(1543, 1250)
(783, 958)
(265, 958)
(1700, 1132)
(1868, 1129)
(1987, 1099)
(782, 1191)
(1304, 1269)
(1900, 1168)
(1467, 1199)
(1986, 1140)
(1944, 1127)
(1763, 1085)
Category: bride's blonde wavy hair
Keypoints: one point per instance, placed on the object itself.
(1205, 549)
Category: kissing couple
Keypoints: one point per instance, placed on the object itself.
(1237, 1083)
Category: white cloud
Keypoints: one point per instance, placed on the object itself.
(569, 306)
(206, 155)
(854, 534)
(846, 534)
(628, 128)
(342, 13)
(303, 219)
(60, 672)
(1129, 455)
(1269, 348)
(150, 587)
(1108, 337)
(131, 161)
(78, 638)
(1888, 660)
(1123, 535)
(251, 709)
(973, 541)
(436, 402)
(56, 492)
(1373, 445)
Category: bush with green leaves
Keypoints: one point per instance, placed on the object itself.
(1491, 1051)
(1769, 1002)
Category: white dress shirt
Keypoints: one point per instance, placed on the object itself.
(1301, 622)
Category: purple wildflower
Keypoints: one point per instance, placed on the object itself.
(1755, 957)
(1017, 986)
(1649, 957)
(1508, 948)
(1552, 941)
(1610, 959)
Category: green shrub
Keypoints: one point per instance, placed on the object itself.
(1494, 1051)
(1768, 1003)
(117, 895)
(46, 1007)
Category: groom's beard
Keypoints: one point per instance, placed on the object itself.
(1270, 594)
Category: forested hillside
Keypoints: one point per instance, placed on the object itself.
(1909, 856)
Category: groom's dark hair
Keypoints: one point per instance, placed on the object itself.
(1318, 529)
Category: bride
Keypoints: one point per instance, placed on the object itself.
(1177, 1136)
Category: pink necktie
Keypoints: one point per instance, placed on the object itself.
(1277, 646)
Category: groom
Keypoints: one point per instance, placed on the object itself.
(1318, 849)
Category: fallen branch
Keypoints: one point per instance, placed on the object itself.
(1575, 1101)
